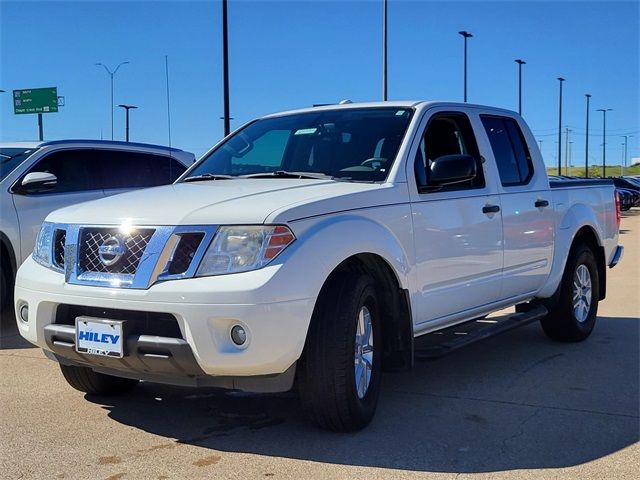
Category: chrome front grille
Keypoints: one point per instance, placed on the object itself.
(59, 239)
(129, 257)
(184, 252)
(91, 239)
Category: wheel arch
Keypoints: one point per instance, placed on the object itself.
(7, 255)
(587, 235)
(397, 323)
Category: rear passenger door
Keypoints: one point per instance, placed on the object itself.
(526, 208)
(125, 170)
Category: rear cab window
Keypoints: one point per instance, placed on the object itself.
(510, 150)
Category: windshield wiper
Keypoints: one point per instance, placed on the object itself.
(286, 174)
(208, 176)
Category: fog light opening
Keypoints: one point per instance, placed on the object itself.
(238, 335)
(24, 313)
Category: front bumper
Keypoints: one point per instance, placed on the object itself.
(276, 331)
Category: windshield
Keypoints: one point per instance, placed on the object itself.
(10, 158)
(351, 144)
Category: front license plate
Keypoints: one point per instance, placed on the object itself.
(96, 336)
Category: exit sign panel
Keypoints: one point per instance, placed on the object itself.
(35, 100)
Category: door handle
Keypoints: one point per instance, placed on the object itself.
(541, 203)
(490, 209)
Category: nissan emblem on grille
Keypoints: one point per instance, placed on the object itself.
(111, 250)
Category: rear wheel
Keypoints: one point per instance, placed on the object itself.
(6, 285)
(573, 315)
(339, 372)
(88, 381)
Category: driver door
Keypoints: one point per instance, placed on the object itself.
(458, 239)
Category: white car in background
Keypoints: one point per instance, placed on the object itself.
(39, 177)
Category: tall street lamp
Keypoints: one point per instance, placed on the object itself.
(112, 74)
(225, 69)
(561, 80)
(520, 63)
(127, 108)
(384, 51)
(465, 35)
(604, 139)
(586, 145)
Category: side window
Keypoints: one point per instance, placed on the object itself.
(175, 169)
(137, 170)
(448, 134)
(509, 149)
(75, 169)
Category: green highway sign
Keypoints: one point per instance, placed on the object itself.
(35, 100)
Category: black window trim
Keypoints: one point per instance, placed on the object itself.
(15, 187)
(522, 183)
(480, 159)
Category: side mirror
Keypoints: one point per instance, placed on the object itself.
(35, 182)
(452, 169)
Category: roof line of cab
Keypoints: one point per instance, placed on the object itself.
(109, 142)
(390, 104)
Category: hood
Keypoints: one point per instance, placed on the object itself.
(241, 201)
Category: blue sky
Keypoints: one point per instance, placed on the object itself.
(293, 54)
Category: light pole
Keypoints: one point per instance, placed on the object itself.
(112, 74)
(624, 162)
(466, 35)
(561, 80)
(520, 63)
(586, 145)
(225, 69)
(604, 139)
(127, 108)
(384, 51)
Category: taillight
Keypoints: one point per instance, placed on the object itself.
(617, 197)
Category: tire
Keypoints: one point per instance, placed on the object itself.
(565, 322)
(326, 374)
(88, 381)
(6, 284)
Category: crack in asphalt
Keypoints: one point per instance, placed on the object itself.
(518, 404)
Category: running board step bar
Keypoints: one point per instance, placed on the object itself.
(443, 342)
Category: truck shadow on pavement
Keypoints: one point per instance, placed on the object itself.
(517, 401)
(10, 338)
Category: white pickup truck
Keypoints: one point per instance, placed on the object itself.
(313, 247)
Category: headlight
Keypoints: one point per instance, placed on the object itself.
(43, 248)
(243, 248)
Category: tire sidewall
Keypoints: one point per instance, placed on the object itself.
(364, 408)
(584, 256)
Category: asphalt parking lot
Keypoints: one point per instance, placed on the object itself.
(514, 406)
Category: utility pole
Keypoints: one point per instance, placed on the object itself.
(127, 108)
(112, 74)
(225, 68)
(540, 142)
(566, 150)
(604, 139)
(520, 63)
(466, 35)
(560, 79)
(384, 51)
(624, 162)
(586, 146)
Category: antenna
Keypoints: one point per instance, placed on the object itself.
(166, 69)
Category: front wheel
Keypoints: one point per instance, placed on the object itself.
(572, 317)
(88, 381)
(339, 371)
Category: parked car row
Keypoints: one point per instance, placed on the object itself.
(37, 178)
(628, 189)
